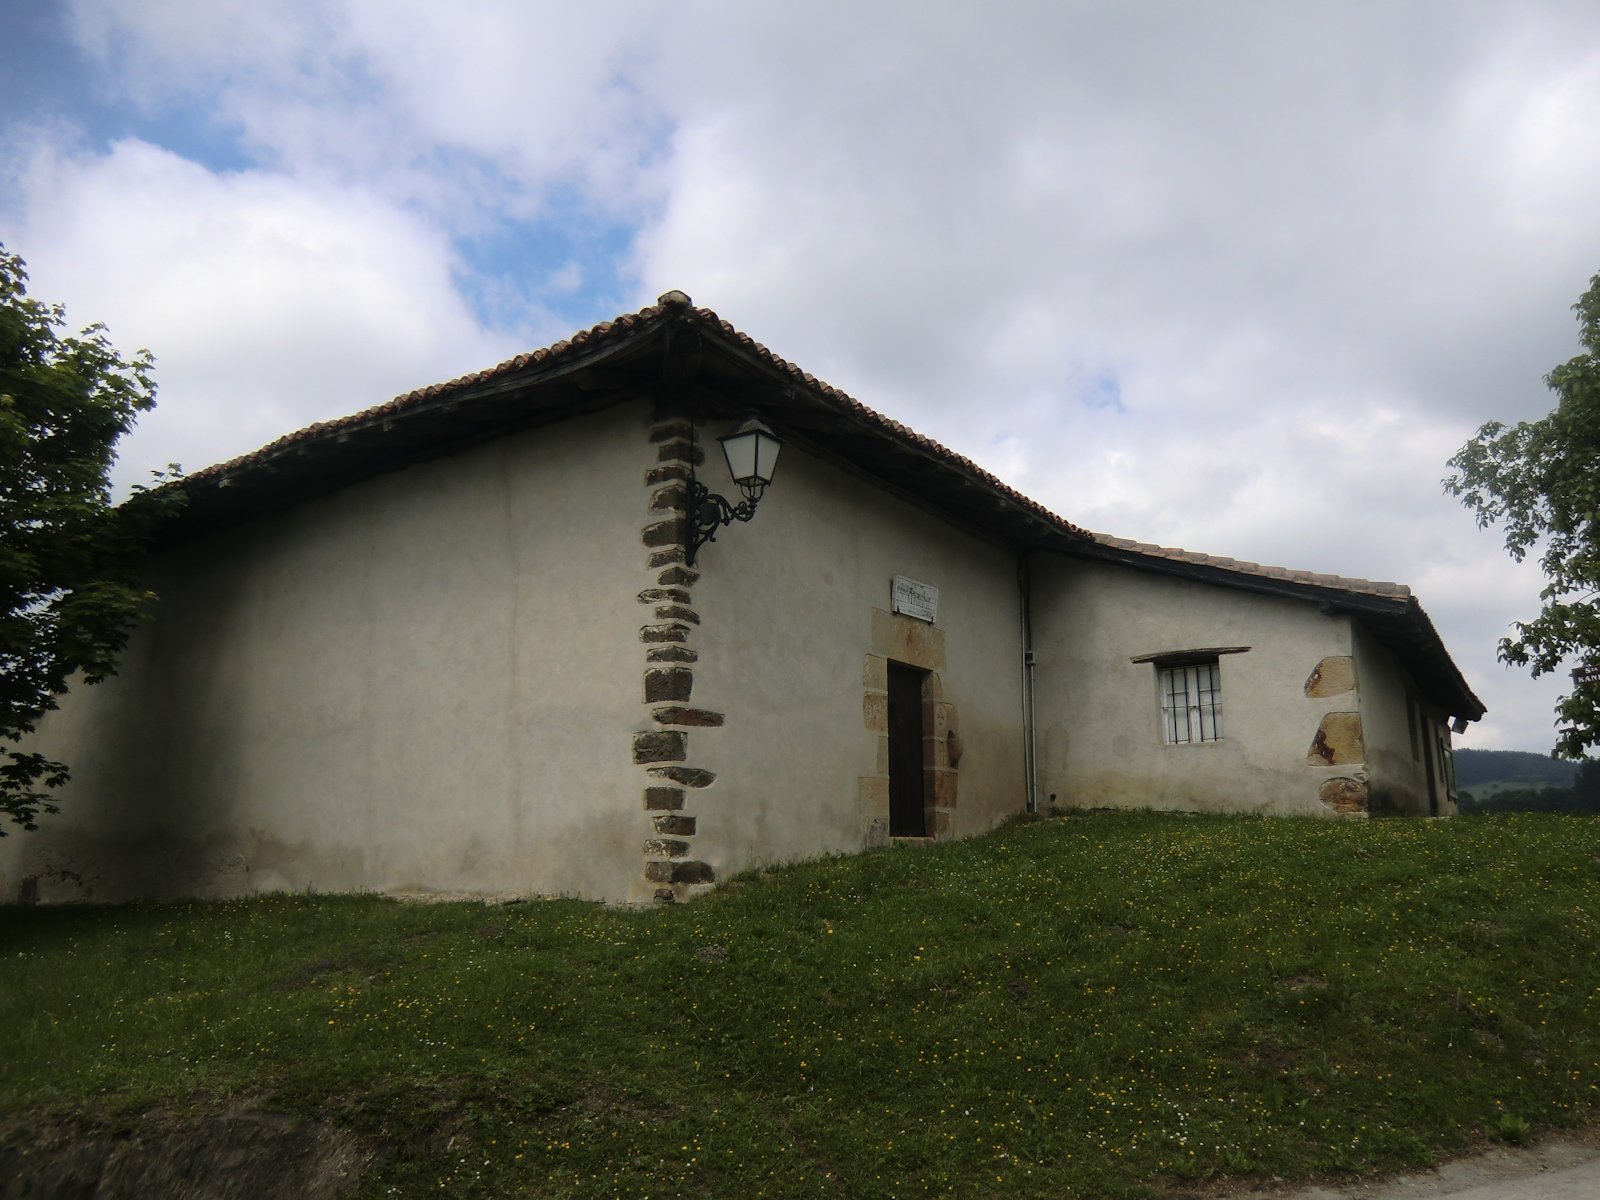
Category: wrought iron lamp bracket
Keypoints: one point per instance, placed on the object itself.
(709, 512)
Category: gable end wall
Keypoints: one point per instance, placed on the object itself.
(425, 682)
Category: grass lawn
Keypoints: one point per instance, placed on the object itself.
(1098, 1005)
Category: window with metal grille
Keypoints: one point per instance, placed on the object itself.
(1191, 702)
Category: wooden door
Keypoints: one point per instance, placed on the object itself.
(906, 776)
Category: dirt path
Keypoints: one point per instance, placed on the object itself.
(1558, 1168)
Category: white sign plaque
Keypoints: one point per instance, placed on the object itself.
(919, 600)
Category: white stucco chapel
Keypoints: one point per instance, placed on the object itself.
(514, 635)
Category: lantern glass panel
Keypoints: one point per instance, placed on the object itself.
(740, 451)
(752, 453)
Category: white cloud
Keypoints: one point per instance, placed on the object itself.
(269, 302)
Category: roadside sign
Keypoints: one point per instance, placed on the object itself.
(1586, 674)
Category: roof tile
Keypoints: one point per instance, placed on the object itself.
(1369, 587)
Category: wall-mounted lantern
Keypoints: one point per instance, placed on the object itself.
(752, 454)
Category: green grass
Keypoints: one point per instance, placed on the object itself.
(1102, 1005)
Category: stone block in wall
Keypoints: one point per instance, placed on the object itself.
(944, 788)
(939, 822)
(671, 497)
(872, 797)
(671, 632)
(658, 872)
(678, 714)
(675, 825)
(662, 684)
(676, 427)
(665, 847)
(877, 833)
(663, 798)
(1333, 676)
(677, 612)
(693, 872)
(681, 450)
(875, 673)
(667, 473)
(671, 654)
(875, 712)
(665, 533)
(678, 577)
(660, 745)
(663, 558)
(694, 777)
(881, 762)
(1337, 741)
(1344, 794)
(663, 595)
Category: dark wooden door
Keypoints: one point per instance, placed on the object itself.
(905, 752)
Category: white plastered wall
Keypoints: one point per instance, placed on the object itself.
(1100, 740)
(788, 606)
(1399, 776)
(425, 682)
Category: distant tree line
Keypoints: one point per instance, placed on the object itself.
(1484, 766)
(1497, 767)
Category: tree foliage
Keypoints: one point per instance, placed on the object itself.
(1540, 481)
(69, 560)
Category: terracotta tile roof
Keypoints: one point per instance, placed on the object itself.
(597, 335)
(1343, 583)
(670, 303)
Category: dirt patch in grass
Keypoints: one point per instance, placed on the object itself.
(230, 1154)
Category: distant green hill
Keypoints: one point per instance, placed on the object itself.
(1487, 771)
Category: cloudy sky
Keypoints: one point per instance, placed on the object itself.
(1237, 277)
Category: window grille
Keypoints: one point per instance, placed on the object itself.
(1191, 703)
